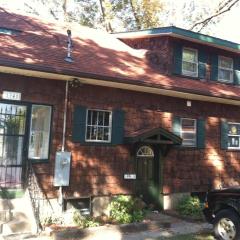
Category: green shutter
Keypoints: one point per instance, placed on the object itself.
(79, 124)
(118, 126)
(236, 66)
(176, 125)
(214, 67)
(200, 133)
(224, 134)
(177, 68)
(202, 61)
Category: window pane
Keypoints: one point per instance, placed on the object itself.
(233, 141)
(226, 62)
(106, 134)
(189, 55)
(94, 117)
(234, 129)
(188, 125)
(100, 118)
(100, 133)
(39, 132)
(190, 67)
(106, 119)
(89, 120)
(225, 74)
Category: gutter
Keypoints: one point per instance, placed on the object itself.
(114, 82)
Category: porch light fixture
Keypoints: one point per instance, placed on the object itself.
(75, 82)
(69, 47)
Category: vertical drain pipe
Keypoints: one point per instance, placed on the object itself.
(65, 116)
(64, 134)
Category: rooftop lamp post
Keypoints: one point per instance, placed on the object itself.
(69, 47)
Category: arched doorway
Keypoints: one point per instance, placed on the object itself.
(145, 172)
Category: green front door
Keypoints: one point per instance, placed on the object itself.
(145, 173)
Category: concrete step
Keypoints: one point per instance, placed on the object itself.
(16, 216)
(16, 226)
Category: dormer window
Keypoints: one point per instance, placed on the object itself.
(225, 69)
(190, 62)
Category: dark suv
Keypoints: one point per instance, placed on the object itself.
(222, 209)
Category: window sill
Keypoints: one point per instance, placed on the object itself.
(233, 150)
(187, 76)
(38, 160)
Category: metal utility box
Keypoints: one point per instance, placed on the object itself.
(62, 169)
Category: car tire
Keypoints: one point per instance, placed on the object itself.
(227, 225)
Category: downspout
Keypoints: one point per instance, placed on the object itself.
(64, 134)
(65, 116)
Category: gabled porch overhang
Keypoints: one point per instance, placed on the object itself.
(153, 136)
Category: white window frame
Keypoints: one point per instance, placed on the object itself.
(30, 131)
(195, 127)
(189, 73)
(110, 126)
(234, 135)
(226, 69)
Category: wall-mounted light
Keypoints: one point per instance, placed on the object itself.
(189, 103)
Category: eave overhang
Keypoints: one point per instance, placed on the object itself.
(114, 82)
(182, 34)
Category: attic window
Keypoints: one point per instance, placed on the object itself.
(8, 31)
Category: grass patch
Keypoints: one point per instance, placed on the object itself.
(199, 236)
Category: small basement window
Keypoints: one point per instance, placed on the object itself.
(190, 62)
(225, 69)
(83, 205)
(99, 126)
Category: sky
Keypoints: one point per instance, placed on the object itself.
(227, 28)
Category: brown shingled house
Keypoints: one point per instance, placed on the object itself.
(153, 113)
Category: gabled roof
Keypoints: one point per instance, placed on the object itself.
(183, 34)
(100, 58)
(154, 136)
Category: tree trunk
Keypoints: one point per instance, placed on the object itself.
(137, 20)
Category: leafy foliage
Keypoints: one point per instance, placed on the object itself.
(84, 221)
(126, 209)
(190, 206)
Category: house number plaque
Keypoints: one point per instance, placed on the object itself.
(11, 95)
(129, 176)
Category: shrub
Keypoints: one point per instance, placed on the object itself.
(126, 209)
(84, 221)
(52, 219)
(190, 206)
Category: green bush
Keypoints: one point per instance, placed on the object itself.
(126, 209)
(190, 206)
(84, 221)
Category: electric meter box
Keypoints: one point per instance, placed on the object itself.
(62, 169)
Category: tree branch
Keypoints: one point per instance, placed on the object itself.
(222, 9)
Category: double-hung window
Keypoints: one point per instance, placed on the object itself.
(190, 62)
(98, 126)
(225, 69)
(188, 132)
(233, 135)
